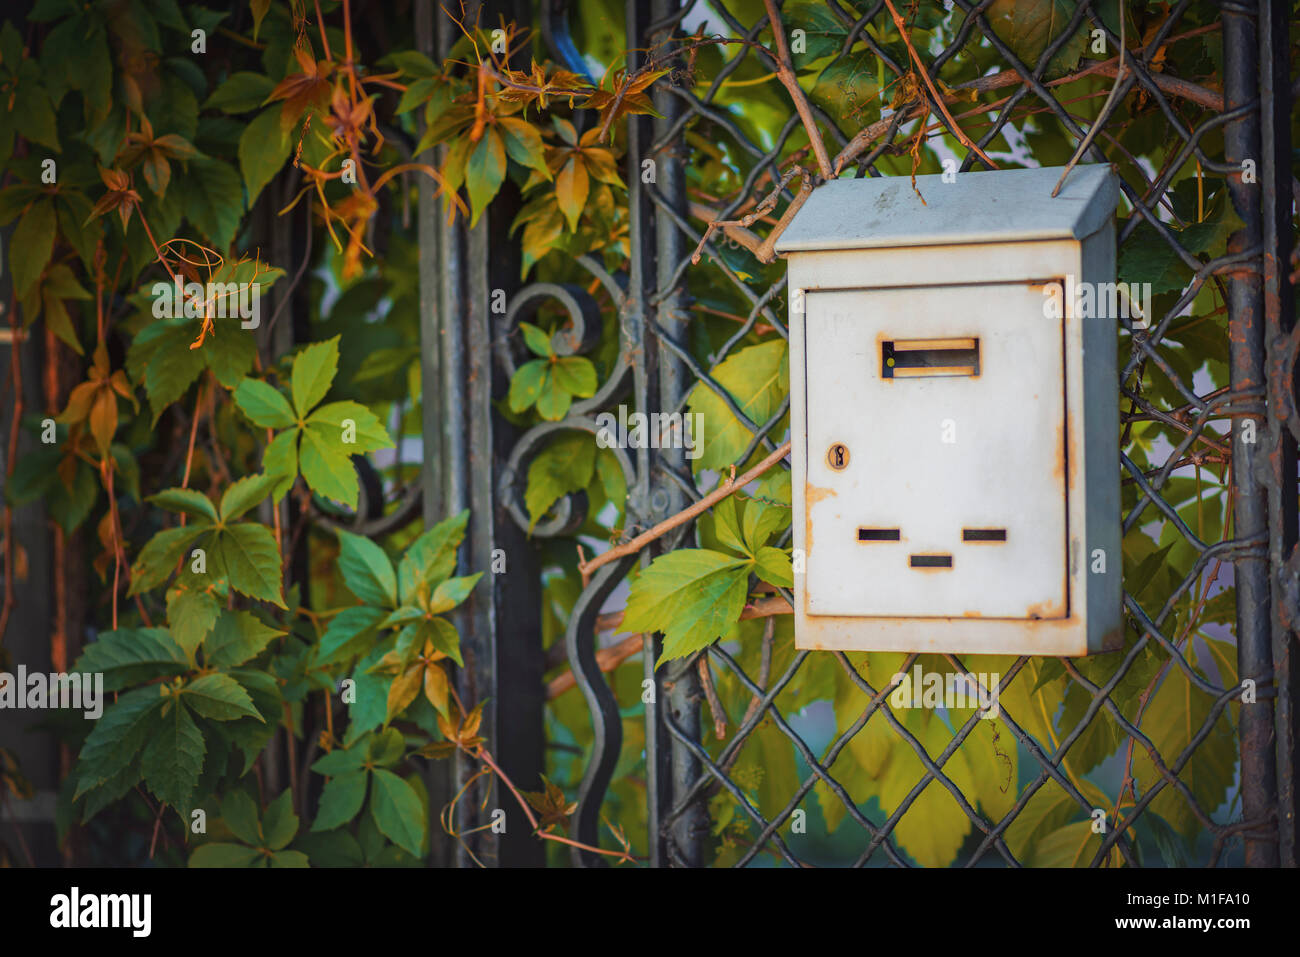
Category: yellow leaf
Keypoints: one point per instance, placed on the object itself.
(403, 690)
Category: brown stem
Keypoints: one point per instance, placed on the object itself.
(785, 73)
(1172, 86)
(324, 40)
(486, 757)
(711, 695)
(724, 489)
(929, 84)
(1103, 116)
(738, 229)
(607, 659)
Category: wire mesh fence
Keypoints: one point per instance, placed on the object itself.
(1166, 752)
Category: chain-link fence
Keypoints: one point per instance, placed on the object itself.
(1178, 748)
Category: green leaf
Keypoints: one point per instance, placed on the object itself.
(1147, 258)
(238, 637)
(263, 148)
(774, 566)
(186, 500)
(432, 556)
(239, 811)
(1049, 809)
(452, 592)
(244, 494)
(280, 459)
(34, 115)
(524, 144)
(31, 245)
(332, 849)
(314, 369)
(341, 800)
(445, 638)
(554, 400)
(412, 63)
(289, 859)
(240, 93)
(848, 86)
(758, 379)
(1074, 845)
(173, 759)
(386, 748)
(823, 33)
(260, 8)
(129, 656)
(575, 375)
(692, 595)
(220, 698)
(537, 340)
(117, 737)
(367, 571)
(191, 613)
(526, 384)
(327, 469)
(213, 200)
(399, 616)
(159, 557)
(485, 172)
(726, 525)
(418, 92)
(565, 465)
(352, 427)
(263, 404)
(342, 760)
(934, 827)
(247, 734)
(349, 633)
(762, 519)
(397, 811)
(171, 366)
(1174, 716)
(220, 854)
(279, 823)
(248, 558)
(1029, 26)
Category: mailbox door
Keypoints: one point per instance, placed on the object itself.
(936, 430)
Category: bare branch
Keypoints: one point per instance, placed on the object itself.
(724, 489)
(785, 73)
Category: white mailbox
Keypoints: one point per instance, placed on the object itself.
(954, 411)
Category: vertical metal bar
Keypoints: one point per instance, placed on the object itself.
(438, 777)
(479, 637)
(640, 262)
(682, 693)
(511, 583)
(468, 442)
(1249, 495)
(430, 354)
(1279, 320)
(454, 265)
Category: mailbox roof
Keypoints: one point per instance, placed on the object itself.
(980, 207)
